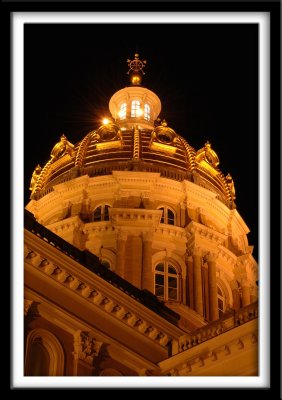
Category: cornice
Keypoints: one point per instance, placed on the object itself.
(203, 232)
(135, 217)
(100, 293)
(65, 225)
(98, 227)
(171, 231)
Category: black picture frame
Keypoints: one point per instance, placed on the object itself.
(273, 8)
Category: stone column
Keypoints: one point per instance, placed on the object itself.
(235, 294)
(75, 353)
(120, 260)
(213, 305)
(197, 281)
(133, 267)
(182, 215)
(190, 297)
(147, 273)
(246, 293)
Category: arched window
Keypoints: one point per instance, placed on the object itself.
(122, 112)
(147, 111)
(220, 301)
(101, 213)
(168, 216)
(135, 108)
(39, 359)
(44, 354)
(166, 281)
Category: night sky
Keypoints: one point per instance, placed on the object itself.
(206, 77)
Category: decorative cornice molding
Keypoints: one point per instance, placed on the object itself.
(135, 217)
(194, 228)
(98, 227)
(65, 225)
(97, 297)
(171, 230)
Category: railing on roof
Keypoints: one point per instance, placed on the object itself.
(228, 321)
(92, 263)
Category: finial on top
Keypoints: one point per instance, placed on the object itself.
(136, 69)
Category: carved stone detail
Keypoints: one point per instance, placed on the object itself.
(89, 347)
(27, 305)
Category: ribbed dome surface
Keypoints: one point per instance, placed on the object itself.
(151, 150)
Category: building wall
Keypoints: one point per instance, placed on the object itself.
(88, 327)
(134, 238)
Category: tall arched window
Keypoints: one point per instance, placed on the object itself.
(166, 281)
(122, 112)
(101, 213)
(135, 108)
(147, 112)
(168, 216)
(44, 354)
(39, 359)
(220, 301)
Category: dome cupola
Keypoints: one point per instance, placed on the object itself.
(135, 104)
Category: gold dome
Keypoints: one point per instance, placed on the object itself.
(133, 140)
(109, 149)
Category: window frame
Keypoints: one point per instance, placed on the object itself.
(221, 297)
(122, 111)
(104, 212)
(147, 112)
(165, 216)
(166, 275)
(135, 107)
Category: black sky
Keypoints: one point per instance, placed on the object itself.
(205, 75)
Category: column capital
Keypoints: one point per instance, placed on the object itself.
(245, 282)
(147, 236)
(87, 347)
(234, 284)
(211, 256)
(195, 251)
(121, 234)
(27, 305)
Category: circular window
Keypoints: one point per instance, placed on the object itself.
(164, 137)
(209, 158)
(108, 135)
(108, 132)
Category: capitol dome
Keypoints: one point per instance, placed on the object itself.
(134, 138)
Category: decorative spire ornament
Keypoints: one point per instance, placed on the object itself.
(135, 71)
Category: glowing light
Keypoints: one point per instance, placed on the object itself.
(139, 112)
(106, 121)
(135, 79)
